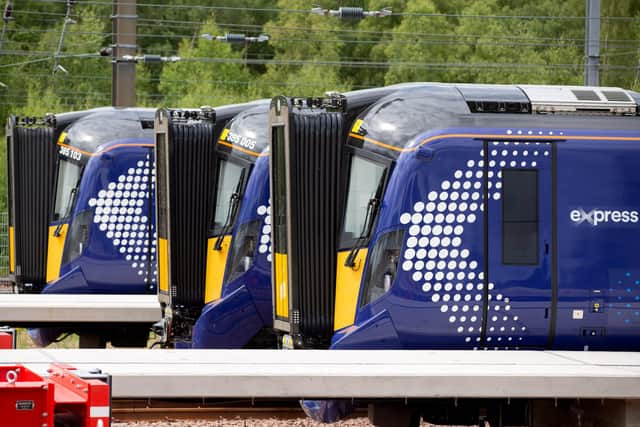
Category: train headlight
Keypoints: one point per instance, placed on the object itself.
(382, 266)
(243, 248)
(78, 236)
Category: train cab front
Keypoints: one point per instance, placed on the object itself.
(339, 183)
(238, 309)
(321, 231)
(100, 234)
(206, 165)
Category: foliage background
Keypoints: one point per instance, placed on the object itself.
(482, 41)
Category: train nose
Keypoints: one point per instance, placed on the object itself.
(327, 411)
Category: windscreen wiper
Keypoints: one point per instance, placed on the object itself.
(234, 202)
(372, 208)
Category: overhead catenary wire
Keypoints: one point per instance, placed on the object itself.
(259, 28)
(308, 11)
(391, 32)
(360, 64)
(611, 44)
(151, 35)
(342, 63)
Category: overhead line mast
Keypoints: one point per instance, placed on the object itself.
(123, 86)
(592, 44)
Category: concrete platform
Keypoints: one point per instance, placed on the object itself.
(352, 374)
(38, 309)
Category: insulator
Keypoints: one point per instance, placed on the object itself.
(152, 59)
(8, 12)
(235, 38)
(351, 12)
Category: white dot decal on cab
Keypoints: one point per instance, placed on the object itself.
(450, 275)
(122, 213)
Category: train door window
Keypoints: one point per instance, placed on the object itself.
(229, 186)
(520, 217)
(67, 185)
(366, 179)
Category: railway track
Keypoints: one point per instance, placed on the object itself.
(239, 413)
(156, 410)
(128, 411)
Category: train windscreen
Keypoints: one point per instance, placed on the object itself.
(68, 179)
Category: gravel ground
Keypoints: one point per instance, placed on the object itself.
(245, 422)
(251, 422)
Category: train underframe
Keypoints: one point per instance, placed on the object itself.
(506, 412)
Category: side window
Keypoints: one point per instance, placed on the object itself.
(520, 216)
(365, 181)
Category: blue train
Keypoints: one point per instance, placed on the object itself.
(215, 289)
(81, 198)
(446, 216)
(241, 314)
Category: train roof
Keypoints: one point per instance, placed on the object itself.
(227, 112)
(87, 130)
(412, 110)
(247, 133)
(234, 122)
(64, 119)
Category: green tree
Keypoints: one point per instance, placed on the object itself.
(306, 54)
(519, 50)
(87, 80)
(367, 40)
(419, 45)
(620, 38)
(210, 73)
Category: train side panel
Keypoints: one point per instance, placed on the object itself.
(509, 272)
(598, 199)
(438, 278)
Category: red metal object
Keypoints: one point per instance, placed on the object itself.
(86, 399)
(27, 399)
(7, 338)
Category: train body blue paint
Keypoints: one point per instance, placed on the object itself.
(245, 305)
(220, 275)
(114, 249)
(436, 199)
(498, 217)
(101, 231)
(468, 217)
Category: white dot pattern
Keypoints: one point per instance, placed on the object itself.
(450, 276)
(121, 210)
(265, 236)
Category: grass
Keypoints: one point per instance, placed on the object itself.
(72, 341)
(24, 341)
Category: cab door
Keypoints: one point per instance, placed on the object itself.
(518, 287)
